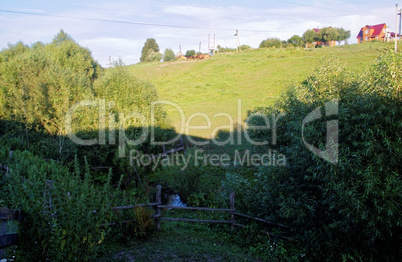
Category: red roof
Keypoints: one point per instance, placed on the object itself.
(377, 29)
(376, 32)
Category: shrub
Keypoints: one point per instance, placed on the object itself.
(352, 208)
(271, 43)
(169, 55)
(59, 222)
(191, 179)
(190, 53)
(39, 84)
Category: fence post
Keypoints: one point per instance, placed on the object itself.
(158, 211)
(232, 206)
(3, 228)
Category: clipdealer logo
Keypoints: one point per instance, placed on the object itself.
(146, 126)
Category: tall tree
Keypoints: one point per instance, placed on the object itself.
(39, 84)
(328, 34)
(149, 47)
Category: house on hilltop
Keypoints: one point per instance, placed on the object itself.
(373, 32)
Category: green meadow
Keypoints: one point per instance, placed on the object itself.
(235, 83)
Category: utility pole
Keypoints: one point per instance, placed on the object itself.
(399, 13)
(238, 48)
(396, 29)
(211, 47)
(110, 61)
(209, 43)
(214, 46)
(199, 48)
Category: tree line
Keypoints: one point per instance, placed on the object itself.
(311, 35)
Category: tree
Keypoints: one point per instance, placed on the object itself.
(343, 35)
(40, 84)
(350, 210)
(190, 53)
(149, 47)
(296, 41)
(245, 47)
(271, 43)
(154, 56)
(310, 36)
(169, 55)
(61, 37)
(328, 34)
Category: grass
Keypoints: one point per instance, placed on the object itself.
(235, 83)
(179, 242)
(213, 86)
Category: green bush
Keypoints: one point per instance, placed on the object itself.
(271, 43)
(190, 53)
(59, 222)
(194, 181)
(169, 55)
(42, 82)
(351, 208)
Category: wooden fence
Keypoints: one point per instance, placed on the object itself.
(231, 211)
(10, 239)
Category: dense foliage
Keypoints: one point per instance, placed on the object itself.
(150, 51)
(190, 53)
(296, 41)
(58, 224)
(271, 43)
(72, 125)
(326, 34)
(45, 85)
(169, 55)
(350, 208)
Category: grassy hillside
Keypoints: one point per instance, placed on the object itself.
(256, 77)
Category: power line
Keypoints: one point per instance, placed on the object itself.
(262, 12)
(80, 6)
(135, 23)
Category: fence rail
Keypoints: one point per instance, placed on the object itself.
(11, 239)
(7, 240)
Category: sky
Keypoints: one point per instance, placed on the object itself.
(119, 28)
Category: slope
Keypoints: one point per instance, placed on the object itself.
(231, 84)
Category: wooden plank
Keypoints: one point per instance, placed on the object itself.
(260, 220)
(3, 231)
(199, 208)
(134, 206)
(158, 198)
(4, 167)
(232, 206)
(174, 150)
(8, 240)
(9, 214)
(196, 220)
